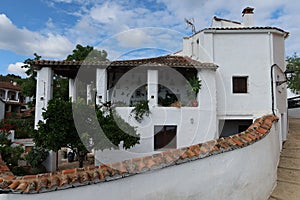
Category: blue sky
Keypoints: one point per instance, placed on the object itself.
(125, 28)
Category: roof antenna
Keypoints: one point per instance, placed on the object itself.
(191, 24)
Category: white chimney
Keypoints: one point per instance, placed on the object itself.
(248, 16)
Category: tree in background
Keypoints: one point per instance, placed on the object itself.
(87, 53)
(23, 126)
(29, 84)
(294, 64)
(60, 84)
(9, 154)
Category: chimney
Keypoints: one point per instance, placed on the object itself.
(248, 16)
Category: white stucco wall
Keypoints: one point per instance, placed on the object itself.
(241, 53)
(247, 173)
(194, 124)
(44, 89)
(294, 112)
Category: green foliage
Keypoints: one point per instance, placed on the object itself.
(58, 129)
(37, 170)
(116, 130)
(61, 88)
(10, 154)
(194, 86)
(104, 126)
(11, 78)
(141, 108)
(19, 171)
(87, 53)
(294, 64)
(36, 156)
(23, 126)
(29, 84)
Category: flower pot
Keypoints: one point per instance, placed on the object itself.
(194, 103)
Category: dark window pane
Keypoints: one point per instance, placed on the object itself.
(239, 84)
(165, 137)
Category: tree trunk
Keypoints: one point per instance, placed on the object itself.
(81, 155)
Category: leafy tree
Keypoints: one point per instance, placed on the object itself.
(87, 53)
(10, 154)
(61, 87)
(29, 84)
(36, 156)
(104, 126)
(58, 129)
(23, 126)
(294, 64)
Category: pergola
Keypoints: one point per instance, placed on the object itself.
(101, 72)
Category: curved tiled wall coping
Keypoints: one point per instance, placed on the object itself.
(90, 175)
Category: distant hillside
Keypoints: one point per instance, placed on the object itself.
(11, 78)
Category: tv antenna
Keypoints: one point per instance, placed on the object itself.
(190, 22)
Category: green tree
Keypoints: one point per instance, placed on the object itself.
(23, 126)
(9, 154)
(87, 53)
(294, 64)
(29, 84)
(58, 129)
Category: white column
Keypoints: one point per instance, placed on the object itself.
(101, 85)
(43, 92)
(6, 95)
(88, 93)
(152, 78)
(17, 96)
(72, 90)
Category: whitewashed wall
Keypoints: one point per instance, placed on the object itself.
(247, 173)
(294, 112)
(194, 124)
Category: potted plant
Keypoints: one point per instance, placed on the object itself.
(194, 86)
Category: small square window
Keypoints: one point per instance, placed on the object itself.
(240, 84)
(164, 137)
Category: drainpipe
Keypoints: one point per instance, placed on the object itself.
(272, 87)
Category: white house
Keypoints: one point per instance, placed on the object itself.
(241, 68)
(251, 64)
(10, 95)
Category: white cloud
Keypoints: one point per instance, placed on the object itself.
(119, 26)
(23, 41)
(133, 38)
(16, 69)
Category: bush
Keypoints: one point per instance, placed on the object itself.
(36, 156)
(10, 155)
(23, 127)
(19, 171)
(38, 170)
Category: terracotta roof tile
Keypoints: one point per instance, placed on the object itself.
(70, 68)
(8, 85)
(70, 178)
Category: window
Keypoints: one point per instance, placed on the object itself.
(164, 137)
(239, 84)
(229, 127)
